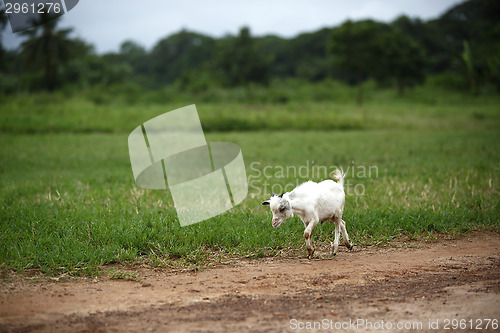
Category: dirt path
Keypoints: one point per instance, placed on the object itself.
(449, 282)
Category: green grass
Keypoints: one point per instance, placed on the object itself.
(323, 106)
(68, 202)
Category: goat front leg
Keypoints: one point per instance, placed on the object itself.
(335, 245)
(308, 237)
(347, 243)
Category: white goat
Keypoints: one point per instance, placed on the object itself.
(314, 203)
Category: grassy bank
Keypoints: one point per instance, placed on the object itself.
(323, 106)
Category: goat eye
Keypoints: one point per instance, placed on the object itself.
(282, 209)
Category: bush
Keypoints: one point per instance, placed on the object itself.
(450, 80)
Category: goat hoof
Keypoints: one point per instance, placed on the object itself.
(350, 247)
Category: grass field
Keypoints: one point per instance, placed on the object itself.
(416, 167)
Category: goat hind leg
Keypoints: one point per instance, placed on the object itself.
(347, 243)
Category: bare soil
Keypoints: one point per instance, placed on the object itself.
(424, 284)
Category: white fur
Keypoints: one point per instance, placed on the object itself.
(314, 203)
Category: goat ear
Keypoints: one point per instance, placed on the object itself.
(281, 195)
(266, 203)
(272, 195)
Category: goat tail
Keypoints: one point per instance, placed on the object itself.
(338, 176)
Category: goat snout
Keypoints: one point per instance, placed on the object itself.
(276, 223)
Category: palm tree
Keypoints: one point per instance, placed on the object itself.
(3, 19)
(46, 49)
(3, 23)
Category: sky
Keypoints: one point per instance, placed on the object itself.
(107, 23)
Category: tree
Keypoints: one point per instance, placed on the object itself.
(240, 61)
(135, 55)
(310, 54)
(179, 54)
(401, 59)
(3, 23)
(47, 50)
(304, 56)
(476, 22)
(276, 50)
(430, 37)
(356, 48)
(467, 58)
(376, 50)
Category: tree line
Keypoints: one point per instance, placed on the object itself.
(461, 48)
